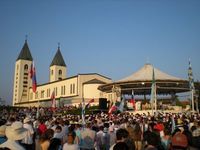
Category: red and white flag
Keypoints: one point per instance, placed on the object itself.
(112, 109)
(88, 104)
(33, 77)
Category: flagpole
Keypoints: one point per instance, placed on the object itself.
(192, 98)
(152, 108)
(83, 107)
(155, 99)
(191, 85)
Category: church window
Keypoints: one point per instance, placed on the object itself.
(70, 88)
(49, 92)
(64, 90)
(73, 88)
(51, 72)
(61, 90)
(26, 67)
(42, 94)
(60, 72)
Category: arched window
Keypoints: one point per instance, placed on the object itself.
(60, 72)
(51, 72)
(26, 67)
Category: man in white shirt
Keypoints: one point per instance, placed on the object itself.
(28, 140)
(88, 138)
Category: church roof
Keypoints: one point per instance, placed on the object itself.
(145, 74)
(25, 53)
(58, 59)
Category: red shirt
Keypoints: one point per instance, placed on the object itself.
(42, 128)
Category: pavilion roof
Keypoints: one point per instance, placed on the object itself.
(146, 73)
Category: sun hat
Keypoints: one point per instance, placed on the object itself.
(16, 131)
(180, 140)
(2, 130)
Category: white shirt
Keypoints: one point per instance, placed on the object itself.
(67, 146)
(99, 139)
(29, 137)
(88, 137)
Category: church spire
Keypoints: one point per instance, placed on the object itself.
(25, 53)
(58, 59)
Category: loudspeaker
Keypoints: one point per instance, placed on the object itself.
(102, 103)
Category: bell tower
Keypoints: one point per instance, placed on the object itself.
(58, 67)
(22, 81)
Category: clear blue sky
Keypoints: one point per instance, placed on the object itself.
(110, 37)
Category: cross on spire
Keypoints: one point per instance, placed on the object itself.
(26, 37)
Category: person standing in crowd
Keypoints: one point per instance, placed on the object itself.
(88, 138)
(105, 139)
(112, 133)
(166, 138)
(58, 132)
(45, 139)
(153, 140)
(137, 136)
(99, 144)
(27, 142)
(179, 141)
(42, 127)
(70, 145)
(122, 136)
(196, 136)
(121, 146)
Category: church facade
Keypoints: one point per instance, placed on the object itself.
(67, 90)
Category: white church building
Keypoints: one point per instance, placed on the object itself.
(68, 90)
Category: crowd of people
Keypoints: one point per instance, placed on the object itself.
(22, 129)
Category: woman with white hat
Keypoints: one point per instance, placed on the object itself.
(14, 133)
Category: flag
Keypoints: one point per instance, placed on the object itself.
(112, 109)
(33, 77)
(132, 101)
(153, 91)
(121, 106)
(173, 125)
(88, 104)
(37, 113)
(53, 101)
(191, 85)
(190, 77)
(83, 112)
